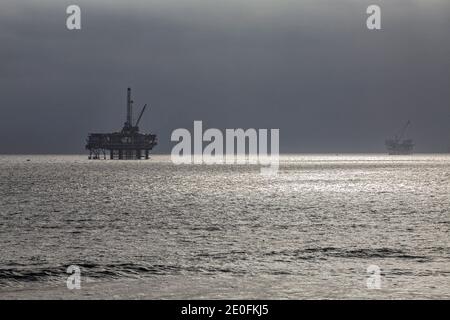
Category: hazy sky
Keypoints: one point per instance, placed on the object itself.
(310, 68)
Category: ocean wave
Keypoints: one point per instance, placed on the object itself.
(19, 276)
(364, 253)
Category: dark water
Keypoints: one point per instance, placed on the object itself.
(227, 231)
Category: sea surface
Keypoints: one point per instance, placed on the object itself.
(152, 229)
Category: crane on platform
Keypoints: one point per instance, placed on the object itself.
(140, 116)
(402, 131)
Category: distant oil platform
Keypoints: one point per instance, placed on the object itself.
(127, 144)
(398, 145)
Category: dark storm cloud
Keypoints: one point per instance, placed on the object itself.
(310, 68)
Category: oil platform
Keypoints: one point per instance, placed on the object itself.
(127, 144)
(398, 145)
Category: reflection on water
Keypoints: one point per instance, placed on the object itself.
(226, 230)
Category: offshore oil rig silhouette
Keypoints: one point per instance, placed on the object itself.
(398, 145)
(127, 144)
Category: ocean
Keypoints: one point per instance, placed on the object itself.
(152, 229)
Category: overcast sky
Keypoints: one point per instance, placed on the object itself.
(310, 68)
